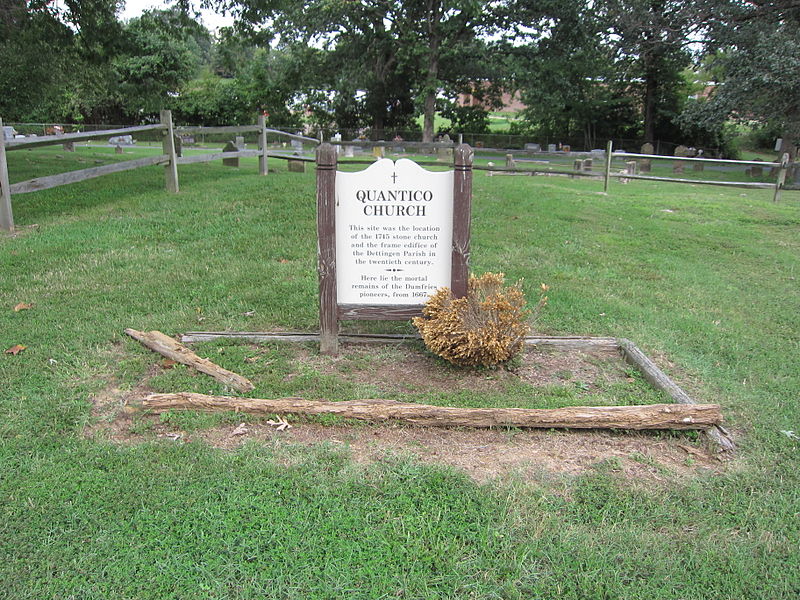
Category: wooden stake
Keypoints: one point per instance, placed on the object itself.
(609, 151)
(171, 169)
(166, 346)
(781, 177)
(655, 416)
(6, 215)
(263, 167)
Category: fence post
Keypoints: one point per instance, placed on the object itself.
(168, 144)
(609, 150)
(6, 216)
(781, 177)
(263, 167)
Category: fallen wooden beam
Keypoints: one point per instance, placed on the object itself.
(168, 347)
(655, 416)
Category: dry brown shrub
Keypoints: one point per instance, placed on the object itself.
(485, 328)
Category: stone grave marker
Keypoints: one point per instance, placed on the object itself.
(531, 148)
(297, 166)
(349, 151)
(551, 147)
(679, 165)
(378, 151)
(587, 164)
(510, 162)
(645, 165)
(233, 161)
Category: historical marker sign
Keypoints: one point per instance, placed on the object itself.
(394, 232)
(389, 236)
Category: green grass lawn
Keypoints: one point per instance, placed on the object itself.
(705, 279)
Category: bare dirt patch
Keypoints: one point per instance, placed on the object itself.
(404, 368)
(483, 454)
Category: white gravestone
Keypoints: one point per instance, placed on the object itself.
(394, 231)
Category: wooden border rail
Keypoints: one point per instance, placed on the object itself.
(631, 353)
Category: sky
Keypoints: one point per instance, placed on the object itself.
(133, 8)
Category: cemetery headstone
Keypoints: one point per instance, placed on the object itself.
(510, 162)
(123, 140)
(234, 161)
(551, 147)
(117, 149)
(645, 165)
(240, 142)
(679, 165)
(378, 151)
(178, 146)
(587, 164)
(577, 166)
(349, 151)
(297, 146)
(756, 171)
(297, 166)
(531, 148)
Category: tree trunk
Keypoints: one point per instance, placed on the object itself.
(656, 416)
(650, 90)
(432, 79)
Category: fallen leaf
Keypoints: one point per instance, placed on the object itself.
(280, 424)
(241, 429)
(15, 349)
(23, 306)
(168, 363)
(283, 261)
(252, 359)
(249, 313)
(690, 450)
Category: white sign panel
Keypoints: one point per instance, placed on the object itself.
(394, 232)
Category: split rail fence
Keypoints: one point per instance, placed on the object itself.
(169, 157)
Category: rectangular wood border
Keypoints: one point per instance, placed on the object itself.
(717, 435)
(330, 311)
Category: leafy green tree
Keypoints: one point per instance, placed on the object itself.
(757, 58)
(53, 55)
(163, 50)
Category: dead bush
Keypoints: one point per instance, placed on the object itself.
(487, 327)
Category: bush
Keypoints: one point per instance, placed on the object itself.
(485, 328)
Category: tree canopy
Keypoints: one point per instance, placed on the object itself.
(584, 70)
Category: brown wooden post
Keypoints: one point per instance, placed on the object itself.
(263, 167)
(326, 249)
(779, 183)
(168, 144)
(609, 150)
(6, 216)
(462, 218)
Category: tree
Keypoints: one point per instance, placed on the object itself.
(53, 54)
(756, 49)
(652, 37)
(569, 77)
(380, 54)
(163, 50)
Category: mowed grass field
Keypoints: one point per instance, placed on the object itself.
(704, 279)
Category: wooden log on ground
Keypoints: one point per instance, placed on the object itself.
(656, 416)
(168, 347)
